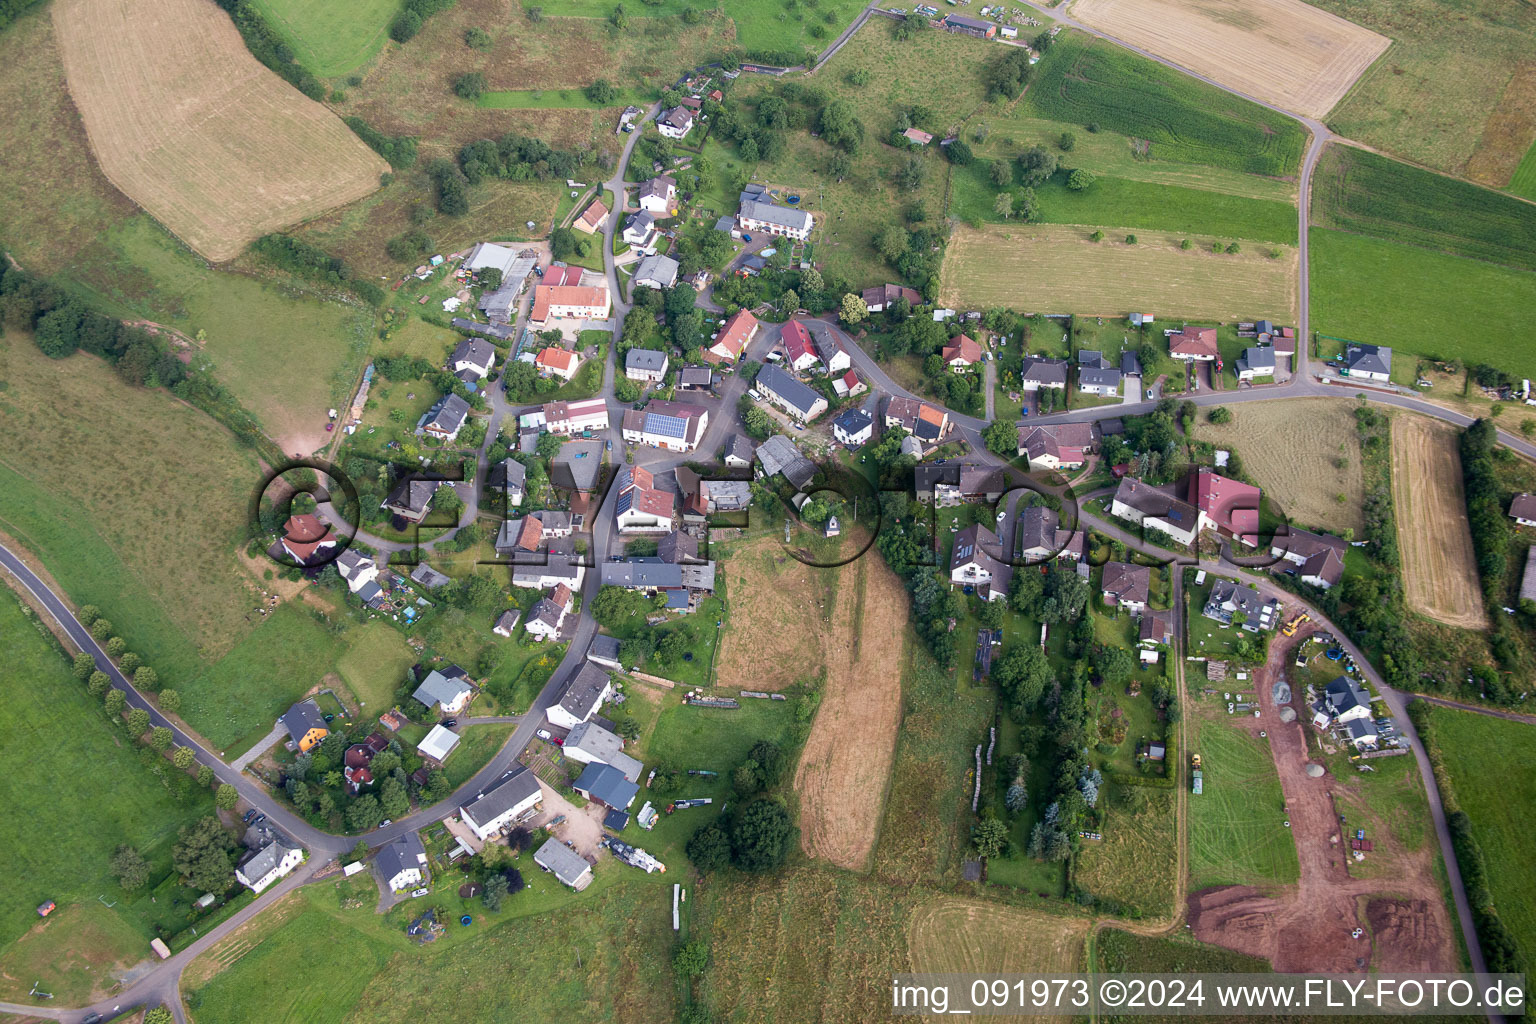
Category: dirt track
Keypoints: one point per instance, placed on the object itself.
(846, 764)
(1307, 927)
(1439, 567)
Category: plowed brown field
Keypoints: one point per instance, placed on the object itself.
(188, 125)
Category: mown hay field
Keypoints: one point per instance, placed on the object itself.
(1293, 450)
(1088, 81)
(186, 123)
(1136, 863)
(1284, 52)
(333, 37)
(1057, 269)
(1439, 567)
(1236, 830)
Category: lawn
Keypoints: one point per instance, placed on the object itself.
(235, 703)
(90, 496)
(553, 99)
(716, 739)
(1369, 194)
(1136, 862)
(1127, 203)
(1090, 82)
(1236, 826)
(333, 38)
(1492, 766)
(1419, 302)
(477, 745)
(87, 789)
(374, 663)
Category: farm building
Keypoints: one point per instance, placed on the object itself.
(969, 26)
(564, 863)
(784, 391)
(1231, 507)
(576, 417)
(515, 796)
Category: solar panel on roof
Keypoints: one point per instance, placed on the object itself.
(667, 426)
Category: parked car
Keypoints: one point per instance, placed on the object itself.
(249, 815)
(386, 821)
(1151, 394)
(417, 893)
(746, 238)
(543, 734)
(259, 819)
(449, 723)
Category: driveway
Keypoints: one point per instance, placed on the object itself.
(582, 827)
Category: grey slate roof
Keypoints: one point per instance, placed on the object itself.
(301, 718)
(1130, 363)
(504, 796)
(769, 213)
(1344, 694)
(400, 855)
(578, 465)
(1045, 371)
(677, 546)
(607, 785)
(1259, 359)
(658, 268)
(853, 420)
(783, 384)
(257, 864)
(1368, 358)
(778, 454)
(447, 415)
(739, 446)
(604, 648)
(414, 493)
(440, 689)
(582, 692)
(645, 359)
(565, 863)
(508, 474)
(1094, 377)
(473, 350)
(604, 746)
(429, 577)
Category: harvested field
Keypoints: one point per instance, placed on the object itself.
(1058, 269)
(185, 121)
(1439, 569)
(960, 936)
(1293, 450)
(1284, 52)
(773, 598)
(846, 763)
(1509, 133)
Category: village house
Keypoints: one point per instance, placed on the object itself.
(263, 865)
(848, 384)
(472, 359)
(532, 531)
(659, 196)
(1314, 558)
(1127, 586)
(644, 364)
(675, 123)
(779, 454)
(604, 651)
(1229, 599)
(677, 582)
(640, 230)
(547, 615)
(679, 548)
(306, 725)
(574, 417)
(853, 427)
(1095, 375)
(1041, 536)
(568, 866)
(445, 419)
(402, 863)
(355, 762)
(641, 506)
(696, 379)
(561, 567)
(1061, 446)
(1522, 509)
(672, 426)
(1344, 701)
(357, 569)
(516, 797)
(656, 272)
(590, 743)
(555, 302)
(587, 691)
(1256, 361)
(1229, 506)
(1193, 344)
(738, 451)
(437, 744)
(1038, 373)
(1156, 628)
(307, 540)
(956, 482)
(927, 423)
(411, 498)
(917, 136)
(834, 357)
(961, 354)
(1370, 362)
(448, 688)
(577, 468)
(977, 561)
(1139, 502)
(557, 362)
(799, 354)
(592, 218)
(883, 297)
(758, 213)
(511, 478)
(783, 390)
(733, 338)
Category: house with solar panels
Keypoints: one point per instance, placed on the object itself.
(673, 426)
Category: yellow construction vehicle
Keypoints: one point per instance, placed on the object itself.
(1290, 628)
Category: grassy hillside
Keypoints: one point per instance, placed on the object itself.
(332, 38)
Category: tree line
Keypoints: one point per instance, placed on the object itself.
(268, 47)
(305, 260)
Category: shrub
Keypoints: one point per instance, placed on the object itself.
(477, 39)
(601, 92)
(469, 86)
(1066, 142)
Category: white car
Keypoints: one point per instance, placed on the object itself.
(1151, 394)
(418, 893)
(543, 734)
(1001, 513)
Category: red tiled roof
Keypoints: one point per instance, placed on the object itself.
(1193, 341)
(561, 595)
(546, 295)
(964, 348)
(734, 337)
(304, 528)
(594, 214)
(1231, 504)
(797, 342)
(531, 533)
(556, 359)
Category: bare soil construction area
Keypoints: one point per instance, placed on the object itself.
(187, 124)
(846, 764)
(1309, 926)
(1439, 568)
(1304, 453)
(1057, 267)
(1284, 52)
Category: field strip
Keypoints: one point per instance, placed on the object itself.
(188, 125)
(1439, 567)
(1284, 52)
(1057, 269)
